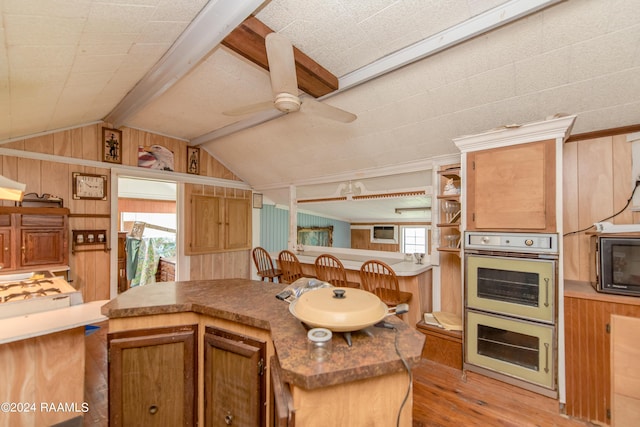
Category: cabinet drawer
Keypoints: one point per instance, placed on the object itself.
(42, 221)
(5, 220)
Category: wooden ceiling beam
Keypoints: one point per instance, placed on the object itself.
(248, 41)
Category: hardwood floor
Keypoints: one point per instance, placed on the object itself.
(442, 396)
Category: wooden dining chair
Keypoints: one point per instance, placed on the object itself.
(290, 266)
(329, 269)
(264, 265)
(380, 279)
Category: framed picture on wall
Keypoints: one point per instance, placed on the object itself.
(155, 157)
(257, 200)
(111, 145)
(193, 160)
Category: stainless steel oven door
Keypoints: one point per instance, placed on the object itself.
(519, 349)
(521, 287)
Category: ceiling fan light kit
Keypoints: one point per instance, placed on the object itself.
(287, 103)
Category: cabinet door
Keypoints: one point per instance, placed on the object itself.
(43, 247)
(153, 377)
(205, 227)
(284, 414)
(234, 381)
(512, 188)
(625, 378)
(238, 220)
(5, 250)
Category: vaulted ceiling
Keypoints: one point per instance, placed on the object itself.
(416, 73)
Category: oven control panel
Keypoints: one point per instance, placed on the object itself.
(512, 242)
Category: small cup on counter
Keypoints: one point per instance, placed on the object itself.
(319, 344)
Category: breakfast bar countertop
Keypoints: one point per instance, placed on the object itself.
(253, 303)
(353, 261)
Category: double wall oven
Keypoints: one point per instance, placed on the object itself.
(511, 308)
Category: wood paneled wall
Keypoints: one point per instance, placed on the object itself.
(144, 205)
(361, 238)
(596, 184)
(90, 270)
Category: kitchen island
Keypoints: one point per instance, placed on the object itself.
(362, 384)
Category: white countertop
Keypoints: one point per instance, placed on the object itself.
(36, 324)
(355, 261)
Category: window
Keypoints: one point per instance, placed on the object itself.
(414, 239)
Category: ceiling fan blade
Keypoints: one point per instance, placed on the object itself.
(282, 65)
(334, 113)
(253, 108)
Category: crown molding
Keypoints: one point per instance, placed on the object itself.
(556, 128)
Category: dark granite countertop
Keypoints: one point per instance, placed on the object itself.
(253, 303)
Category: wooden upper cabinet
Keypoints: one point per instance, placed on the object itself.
(205, 225)
(237, 220)
(218, 224)
(31, 238)
(42, 247)
(512, 188)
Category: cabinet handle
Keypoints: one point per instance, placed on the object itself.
(228, 419)
(6, 249)
(153, 409)
(24, 248)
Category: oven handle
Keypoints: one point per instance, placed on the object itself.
(546, 296)
(546, 358)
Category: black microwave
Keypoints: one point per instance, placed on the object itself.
(617, 265)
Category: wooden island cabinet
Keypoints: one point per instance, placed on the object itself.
(241, 329)
(234, 378)
(152, 376)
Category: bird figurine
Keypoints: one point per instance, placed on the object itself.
(155, 157)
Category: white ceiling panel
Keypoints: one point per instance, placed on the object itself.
(70, 62)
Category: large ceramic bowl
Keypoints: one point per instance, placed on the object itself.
(339, 309)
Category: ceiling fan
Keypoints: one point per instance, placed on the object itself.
(284, 85)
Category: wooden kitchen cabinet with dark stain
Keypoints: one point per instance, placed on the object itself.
(33, 238)
(234, 379)
(153, 376)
